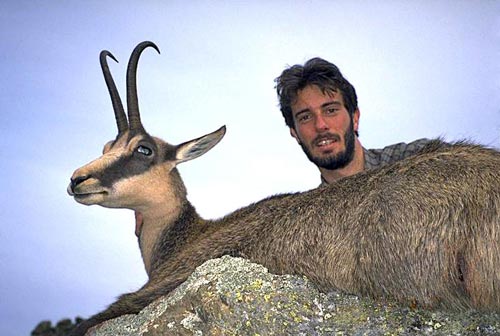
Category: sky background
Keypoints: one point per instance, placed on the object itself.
(420, 68)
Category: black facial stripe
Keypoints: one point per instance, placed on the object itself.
(129, 165)
(126, 166)
(136, 163)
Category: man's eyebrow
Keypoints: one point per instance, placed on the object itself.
(301, 111)
(330, 103)
(323, 106)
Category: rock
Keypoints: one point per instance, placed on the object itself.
(232, 296)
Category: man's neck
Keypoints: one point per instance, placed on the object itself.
(355, 166)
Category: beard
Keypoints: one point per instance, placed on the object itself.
(334, 161)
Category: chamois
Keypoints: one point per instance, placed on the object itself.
(424, 230)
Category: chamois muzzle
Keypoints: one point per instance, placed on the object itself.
(74, 182)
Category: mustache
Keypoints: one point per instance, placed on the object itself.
(326, 136)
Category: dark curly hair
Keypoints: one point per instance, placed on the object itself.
(316, 71)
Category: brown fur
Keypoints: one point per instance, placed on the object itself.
(424, 230)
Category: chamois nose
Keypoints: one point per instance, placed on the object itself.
(77, 180)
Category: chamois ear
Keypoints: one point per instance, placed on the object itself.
(194, 148)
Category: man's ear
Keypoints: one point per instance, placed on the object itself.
(355, 120)
(293, 133)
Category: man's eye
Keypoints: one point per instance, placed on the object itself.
(331, 110)
(144, 150)
(304, 117)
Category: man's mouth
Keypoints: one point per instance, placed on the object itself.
(327, 140)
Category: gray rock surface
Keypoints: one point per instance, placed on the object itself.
(232, 296)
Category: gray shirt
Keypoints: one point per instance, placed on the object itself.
(375, 158)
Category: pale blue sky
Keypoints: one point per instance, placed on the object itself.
(421, 69)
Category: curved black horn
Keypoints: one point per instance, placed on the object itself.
(121, 118)
(134, 117)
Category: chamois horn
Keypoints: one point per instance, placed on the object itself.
(121, 118)
(134, 117)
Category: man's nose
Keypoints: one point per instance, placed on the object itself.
(320, 123)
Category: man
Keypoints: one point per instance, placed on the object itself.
(321, 109)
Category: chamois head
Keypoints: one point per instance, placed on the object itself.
(134, 162)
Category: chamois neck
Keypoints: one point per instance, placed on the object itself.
(161, 236)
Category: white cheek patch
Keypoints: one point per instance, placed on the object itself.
(140, 190)
(128, 192)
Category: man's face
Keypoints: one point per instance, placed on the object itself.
(324, 128)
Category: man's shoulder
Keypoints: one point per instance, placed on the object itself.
(378, 157)
(404, 148)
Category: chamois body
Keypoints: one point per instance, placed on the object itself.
(424, 230)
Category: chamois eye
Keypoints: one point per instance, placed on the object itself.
(144, 150)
